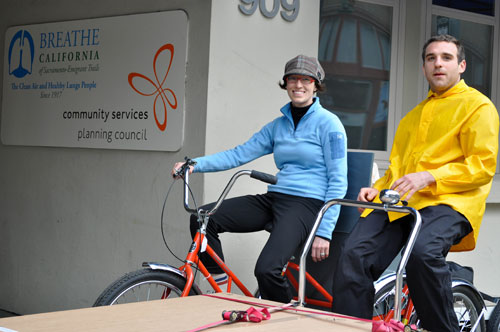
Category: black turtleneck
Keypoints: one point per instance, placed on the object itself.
(298, 113)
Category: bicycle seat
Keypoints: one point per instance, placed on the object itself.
(461, 272)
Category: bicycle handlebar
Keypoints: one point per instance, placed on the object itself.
(184, 170)
(389, 199)
(264, 177)
(184, 167)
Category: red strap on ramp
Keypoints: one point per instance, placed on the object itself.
(250, 315)
(258, 315)
(393, 326)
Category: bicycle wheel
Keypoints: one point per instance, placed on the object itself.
(465, 302)
(494, 321)
(143, 285)
(384, 304)
(467, 308)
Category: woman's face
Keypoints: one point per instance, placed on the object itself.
(300, 89)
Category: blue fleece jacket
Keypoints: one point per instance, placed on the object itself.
(312, 158)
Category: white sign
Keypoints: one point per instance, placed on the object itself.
(112, 83)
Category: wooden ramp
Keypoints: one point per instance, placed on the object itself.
(180, 314)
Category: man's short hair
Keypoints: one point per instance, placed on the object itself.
(449, 39)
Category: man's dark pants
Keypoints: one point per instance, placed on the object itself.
(373, 244)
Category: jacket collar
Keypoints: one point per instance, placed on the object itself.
(457, 88)
(287, 109)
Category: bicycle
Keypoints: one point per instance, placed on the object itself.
(392, 297)
(468, 303)
(494, 321)
(163, 281)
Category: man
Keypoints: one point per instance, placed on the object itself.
(442, 162)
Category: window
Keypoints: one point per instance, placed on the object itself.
(485, 7)
(476, 35)
(355, 49)
(362, 46)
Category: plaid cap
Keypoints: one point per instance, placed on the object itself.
(305, 65)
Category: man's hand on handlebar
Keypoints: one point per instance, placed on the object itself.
(176, 171)
(320, 249)
(411, 183)
(366, 195)
(405, 185)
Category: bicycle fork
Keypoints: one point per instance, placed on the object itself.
(192, 258)
(198, 245)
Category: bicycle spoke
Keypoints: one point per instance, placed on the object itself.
(166, 293)
(147, 291)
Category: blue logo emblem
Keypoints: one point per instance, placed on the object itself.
(21, 54)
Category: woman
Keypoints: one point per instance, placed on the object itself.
(309, 147)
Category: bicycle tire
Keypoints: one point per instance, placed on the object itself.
(384, 303)
(494, 321)
(465, 302)
(143, 285)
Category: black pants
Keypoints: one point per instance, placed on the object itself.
(323, 271)
(373, 244)
(292, 218)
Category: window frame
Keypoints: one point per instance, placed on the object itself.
(395, 76)
(431, 10)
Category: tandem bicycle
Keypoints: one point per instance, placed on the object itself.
(163, 281)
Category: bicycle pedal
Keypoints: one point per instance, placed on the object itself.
(221, 279)
(224, 282)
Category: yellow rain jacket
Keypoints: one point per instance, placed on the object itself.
(454, 137)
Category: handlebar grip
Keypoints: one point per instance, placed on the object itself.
(184, 167)
(264, 177)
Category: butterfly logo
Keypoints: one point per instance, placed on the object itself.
(159, 91)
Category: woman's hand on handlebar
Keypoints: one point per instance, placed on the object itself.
(177, 167)
(320, 249)
(366, 195)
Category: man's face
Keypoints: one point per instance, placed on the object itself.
(441, 66)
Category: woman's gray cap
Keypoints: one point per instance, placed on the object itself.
(305, 65)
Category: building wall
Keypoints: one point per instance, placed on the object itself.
(73, 220)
